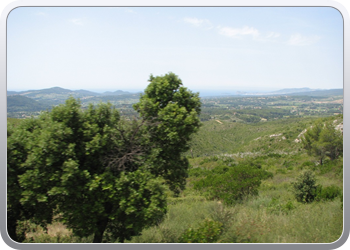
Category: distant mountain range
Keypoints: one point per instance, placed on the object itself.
(62, 91)
(293, 90)
(57, 95)
(86, 93)
(44, 99)
(300, 91)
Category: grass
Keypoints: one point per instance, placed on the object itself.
(311, 223)
(255, 220)
(272, 217)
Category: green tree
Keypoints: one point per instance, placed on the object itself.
(322, 140)
(67, 166)
(305, 188)
(99, 173)
(171, 113)
(332, 140)
(311, 141)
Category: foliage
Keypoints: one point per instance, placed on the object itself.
(19, 137)
(277, 207)
(327, 193)
(208, 232)
(332, 140)
(111, 167)
(71, 160)
(231, 184)
(196, 172)
(171, 112)
(305, 188)
(322, 140)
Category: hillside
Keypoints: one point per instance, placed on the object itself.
(271, 215)
(23, 104)
(227, 137)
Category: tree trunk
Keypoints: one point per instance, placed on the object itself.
(101, 227)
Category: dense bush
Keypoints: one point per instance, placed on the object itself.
(196, 172)
(327, 193)
(305, 188)
(232, 183)
(208, 232)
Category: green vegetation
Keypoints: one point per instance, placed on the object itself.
(305, 187)
(236, 181)
(323, 139)
(231, 184)
(114, 169)
(171, 115)
(208, 232)
(328, 193)
(48, 156)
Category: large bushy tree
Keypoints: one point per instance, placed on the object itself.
(67, 167)
(171, 112)
(101, 174)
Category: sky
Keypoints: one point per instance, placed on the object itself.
(210, 48)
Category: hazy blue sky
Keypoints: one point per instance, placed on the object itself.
(230, 48)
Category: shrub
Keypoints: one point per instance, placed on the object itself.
(274, 155)
(222, 214)
(276, 207)
(305, 188)
(220, 170)
(208, 232)
(233, 183)
(327, 193)
(196, 172)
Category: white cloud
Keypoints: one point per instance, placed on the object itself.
(299, 40)
(273, 35)
(77, 21)
(269, 37)
(234, 32)
(203, 23)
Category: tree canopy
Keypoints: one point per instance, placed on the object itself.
(172, 115)
(323, 140)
